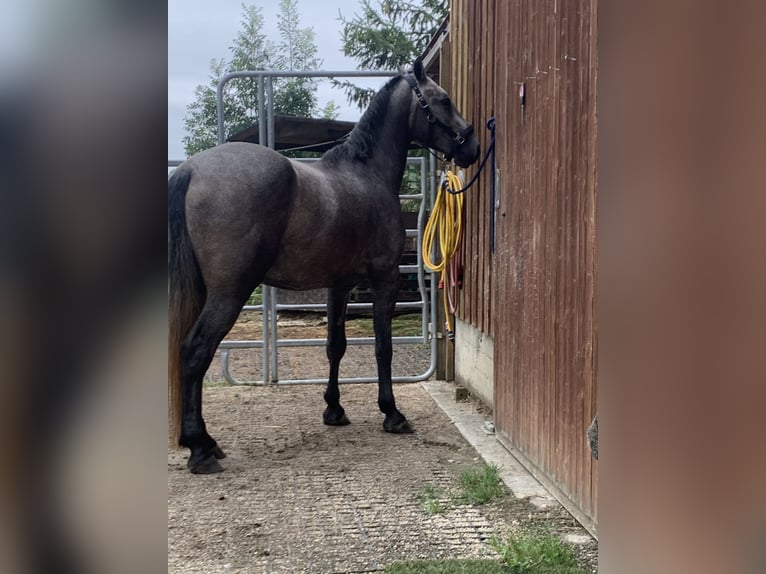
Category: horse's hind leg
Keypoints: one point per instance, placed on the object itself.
(336, 347)
(385, 293)
(216, 319)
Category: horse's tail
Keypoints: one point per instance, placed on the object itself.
(186, 293)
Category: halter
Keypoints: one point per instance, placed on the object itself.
(458, 137)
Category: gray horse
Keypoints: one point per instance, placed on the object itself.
(241, 214)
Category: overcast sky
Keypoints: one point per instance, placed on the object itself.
(202, 30)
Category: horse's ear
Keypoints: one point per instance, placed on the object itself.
(420, 73)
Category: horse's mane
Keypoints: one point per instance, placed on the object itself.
(361, 140)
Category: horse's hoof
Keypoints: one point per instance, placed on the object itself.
(402, 427)
(218, 452)
(334, 420)
(210, 465)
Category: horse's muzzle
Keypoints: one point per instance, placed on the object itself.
(467, 153)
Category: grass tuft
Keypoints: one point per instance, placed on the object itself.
(431, 498)
(536, 553)
(477, 485)
(481, 484)
(530, 552)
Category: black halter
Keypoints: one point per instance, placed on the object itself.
(458, 137)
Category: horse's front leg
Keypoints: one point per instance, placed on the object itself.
(385, 293)
(337, 299)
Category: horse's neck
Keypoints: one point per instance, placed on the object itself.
(389, 155)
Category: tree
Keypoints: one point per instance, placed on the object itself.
(252, 50)
(201, 120)
(387, 36)
(297, 51)
(330, 111)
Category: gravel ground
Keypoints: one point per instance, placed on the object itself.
(300, 497)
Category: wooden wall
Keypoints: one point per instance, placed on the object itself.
(536, 294)
(473, 79)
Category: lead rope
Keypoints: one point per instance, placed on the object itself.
(490, 150)
(447, 217)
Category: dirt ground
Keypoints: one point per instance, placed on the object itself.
(297, 496)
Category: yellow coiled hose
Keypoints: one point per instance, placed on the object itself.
(447, 218)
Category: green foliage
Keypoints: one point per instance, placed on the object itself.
(481, 484)
(477, 485)
(387, 35)
(393, 33)
(201, 121)
(411, 184)
(252, 50)
(446, 567)
(431, 499)
(296, 51)
(330, 111)
(530, 552)
(256, 297)
(536, 553)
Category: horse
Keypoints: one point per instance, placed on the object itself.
(241, 214)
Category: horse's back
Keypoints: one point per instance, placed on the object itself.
(339, 223)
(238, 164)
(235, 182)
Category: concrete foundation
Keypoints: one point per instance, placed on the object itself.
(474, 356)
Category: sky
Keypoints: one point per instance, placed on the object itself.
(202, 30)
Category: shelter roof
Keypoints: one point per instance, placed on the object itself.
(291, 132)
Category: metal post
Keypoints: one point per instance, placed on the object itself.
(265, 299)
(219, 109)
(274, 367)
(445, 352)
(434, 284)
(419, 248)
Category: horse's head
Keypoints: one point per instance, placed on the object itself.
(436, 123)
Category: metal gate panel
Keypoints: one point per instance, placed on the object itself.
(270, 307)
(270, 342)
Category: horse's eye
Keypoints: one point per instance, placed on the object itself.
(445, 101)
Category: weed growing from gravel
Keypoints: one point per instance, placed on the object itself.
(477, 485)
(431, 499)
(480, 485)
(536, 553)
